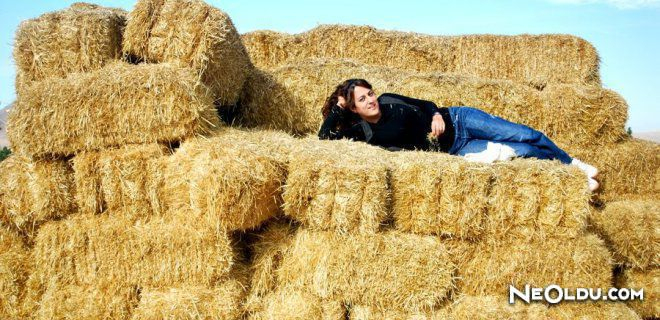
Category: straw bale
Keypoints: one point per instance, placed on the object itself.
(290, 304)
(116, 105)
(495, 307)
(632, 230)
(649, 280)
(225, 182)
(60, 301)
(267, 253)
(490, 268)
(102, 250)
(534, 59)
(532, 199)
(295, 93)
(592, 311)
(629, 168)
(337, 185)
(13, 256)
(390, 270)
(222, 302)
(82, 38)
(439, 194)
(193, 34)
(360, 312)
(116, 179)
(34, 191)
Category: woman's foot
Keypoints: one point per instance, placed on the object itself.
(590, 170)
(593, 184)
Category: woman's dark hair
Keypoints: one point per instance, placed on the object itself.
(345, 89)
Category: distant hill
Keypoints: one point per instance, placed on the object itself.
(3, 124)
(649, 135)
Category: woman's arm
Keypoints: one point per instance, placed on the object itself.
(427, 107)
(329, 129)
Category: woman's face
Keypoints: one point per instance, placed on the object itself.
(366, 103)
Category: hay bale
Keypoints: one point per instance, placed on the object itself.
(533, 59)
(34, 191)
(592, 311)
(192, 34)
(106, 250)
(267, 253)
(289, 304)
(222, 302)
(632, 230)
(630, 169)
(390, 270)
(117, 179)
(81, 38)
(360, 312)
(13, 263)
(295, 93)
(337, 185)
(532, 200)
(60, 301)
(489, 269)
(225, 182)
(116, 105)
(439, 194)
(495, 307)
(649, 280)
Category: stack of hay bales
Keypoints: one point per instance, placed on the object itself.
(127, 198)
(119, 218)
(503, 224)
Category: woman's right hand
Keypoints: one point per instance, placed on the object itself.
(341, 102)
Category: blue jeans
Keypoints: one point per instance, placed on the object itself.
(475, 128)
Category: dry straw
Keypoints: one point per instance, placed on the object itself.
(390, 270)
(61, 301)
(362, 312)
(33, 192)
(81, 38)
(630, 169)
(13, 273)
(293, 304)
(192, 302)
(632, 230)
(533, 59)
(439, 194)
(116, 179)
(337, 185)
(115, 252)
(295, 93)
(463, 307)
(649, 280)
(117, 105)
(267, 253)
(592, 311)
(534, 200)
(489, 268)
(193, 34)
(233, 181)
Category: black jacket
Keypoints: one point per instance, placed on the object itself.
(404, 124)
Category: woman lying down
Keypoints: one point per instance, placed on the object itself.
(397, 122)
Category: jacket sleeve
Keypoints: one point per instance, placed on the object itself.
(429, 108)
(329, 130)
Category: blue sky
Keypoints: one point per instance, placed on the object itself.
(626, 33)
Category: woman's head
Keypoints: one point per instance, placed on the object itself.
(359, 96)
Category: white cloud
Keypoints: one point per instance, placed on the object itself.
(621, 4)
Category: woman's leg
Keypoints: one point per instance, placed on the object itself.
(473, 123)
(521, 149)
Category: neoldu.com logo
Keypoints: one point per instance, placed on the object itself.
(553, 294)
